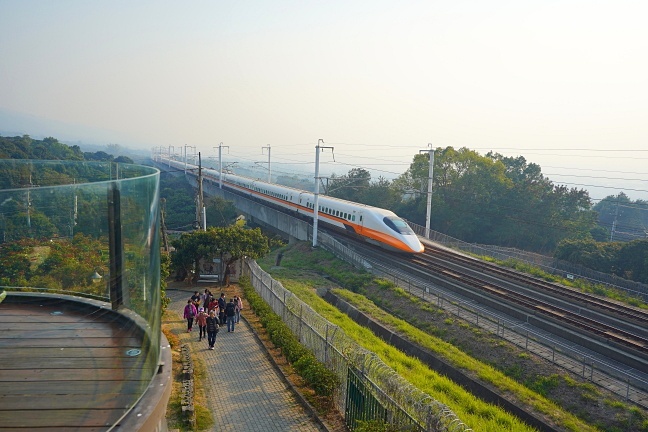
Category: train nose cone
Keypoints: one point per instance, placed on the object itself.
(414, 244)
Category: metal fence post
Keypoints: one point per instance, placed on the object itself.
(326, 344)
(628, 388)
(283, 310)
(301, 321)
(592, 372)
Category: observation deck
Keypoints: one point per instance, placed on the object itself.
(80, 341)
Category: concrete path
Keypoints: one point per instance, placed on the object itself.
(244, 390)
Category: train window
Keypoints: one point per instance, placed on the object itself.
(353, 218)
(398, 225)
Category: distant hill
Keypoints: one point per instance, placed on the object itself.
(25, 147)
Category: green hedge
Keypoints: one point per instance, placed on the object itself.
(314, 372)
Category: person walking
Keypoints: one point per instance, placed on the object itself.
(221, 306)
(195, 297)
(213, 305)
(201, 320)
(239, 308)
(205, 297)
(230, 315)
(190, 313)
(212, 329)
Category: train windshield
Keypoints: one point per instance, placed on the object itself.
(398, 225)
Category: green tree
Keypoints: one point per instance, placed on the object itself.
(98, 156)
(632, 261)
(165, 265)
(494, 199)
(380, 193)
(350, 187)
(598, 256)
(15, 266)
(180, 203)
(123, 159)
(220, 212)
(232, 242)
(60, 264)
(624, 219)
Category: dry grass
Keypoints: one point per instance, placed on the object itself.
(175, 418)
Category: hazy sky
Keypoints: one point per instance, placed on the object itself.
(562, 83)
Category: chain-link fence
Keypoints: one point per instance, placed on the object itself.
(363, 374)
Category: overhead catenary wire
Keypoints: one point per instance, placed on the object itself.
(371, 167)
(521, 215)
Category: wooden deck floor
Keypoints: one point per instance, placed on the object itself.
(65, 367)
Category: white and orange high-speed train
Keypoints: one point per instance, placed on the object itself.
(372, 224)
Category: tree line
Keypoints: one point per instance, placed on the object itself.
(52, 214)
(25, 147)
(507, 201)
(488, 199)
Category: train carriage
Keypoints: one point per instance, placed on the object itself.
(371, 224)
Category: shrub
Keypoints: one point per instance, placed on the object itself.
(315, 373)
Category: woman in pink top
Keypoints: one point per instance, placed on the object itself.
(201, 320)
(190, 313)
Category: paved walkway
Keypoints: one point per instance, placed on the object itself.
(244, 390)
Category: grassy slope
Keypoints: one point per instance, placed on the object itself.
(302, 272)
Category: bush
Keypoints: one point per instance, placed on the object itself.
(314, 372)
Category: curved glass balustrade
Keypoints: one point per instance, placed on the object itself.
(79, 244)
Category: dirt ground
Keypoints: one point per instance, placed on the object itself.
(594, 405)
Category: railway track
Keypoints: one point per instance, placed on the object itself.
(622, 338)
(611, 333)
(618, 309)
(609, 358)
